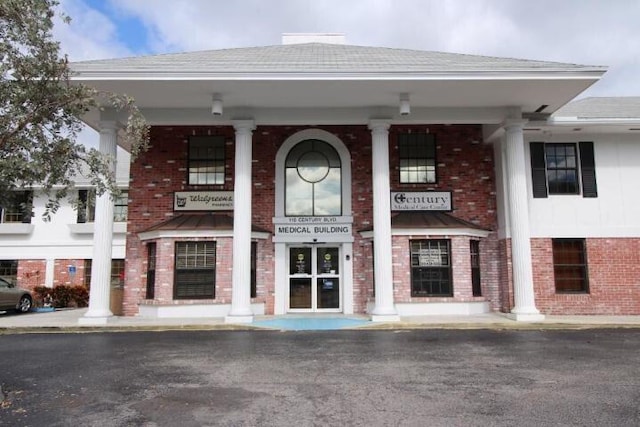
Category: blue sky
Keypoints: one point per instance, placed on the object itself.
(592, 32)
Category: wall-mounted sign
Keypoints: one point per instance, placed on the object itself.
(308, 228)
(203, 201)
(423, 201)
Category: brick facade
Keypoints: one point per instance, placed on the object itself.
(464, 166)
(613, 273)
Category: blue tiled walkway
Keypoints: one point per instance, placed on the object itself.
(311, 323)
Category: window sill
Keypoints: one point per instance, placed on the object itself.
(87, 228)
(16, 228)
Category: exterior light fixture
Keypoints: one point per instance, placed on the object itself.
(405, 106)
(216, 104)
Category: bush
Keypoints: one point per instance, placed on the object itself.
(62, 296)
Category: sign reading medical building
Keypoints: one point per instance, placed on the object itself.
(421, 201)
(203, 201)
(303, 228)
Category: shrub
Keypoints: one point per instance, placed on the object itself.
(62, 296)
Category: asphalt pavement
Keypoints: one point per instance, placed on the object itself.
(398, 377)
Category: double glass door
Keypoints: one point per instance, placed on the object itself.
(314, 278)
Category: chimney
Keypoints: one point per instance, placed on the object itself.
(298, 38)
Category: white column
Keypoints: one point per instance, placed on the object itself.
(384, 310)
(241, 279)
(525, 306)
(99, 294)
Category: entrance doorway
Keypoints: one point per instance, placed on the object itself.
(314, 278)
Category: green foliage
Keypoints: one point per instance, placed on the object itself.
(40, 110)
(62, 296)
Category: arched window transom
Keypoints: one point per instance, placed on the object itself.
(313, 179)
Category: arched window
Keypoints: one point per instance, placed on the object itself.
(313, 179)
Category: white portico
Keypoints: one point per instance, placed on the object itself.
(321, 89)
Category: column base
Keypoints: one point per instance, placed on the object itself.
(526, 317)
(239, 319)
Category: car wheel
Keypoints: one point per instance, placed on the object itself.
(24, 305)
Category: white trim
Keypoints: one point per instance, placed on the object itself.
(453, 308)
(16, 228)
(88, 227)
(192, 311)
(190, 234)
(345, 166)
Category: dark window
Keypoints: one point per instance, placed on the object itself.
(475, 267)
(117, 272)
(431, 268)
(195, 270)
(86, 206)
(254, 252)
(570, 265)
(206, 160)
(559, 169)
(313, 177)
(17, 208)
(417, 153)
(9, 270)
(120, 207)
(151, 270)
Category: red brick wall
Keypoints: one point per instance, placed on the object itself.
(614, 279)
(31, 273)
(61, 275)
(465, 166)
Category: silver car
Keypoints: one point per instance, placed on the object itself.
(14, 298)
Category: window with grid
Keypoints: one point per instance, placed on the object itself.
(206, 160)
(475, 267)
(117, 272)
(17, 208)
(570, 266)
(121, 207)
(417, 156)
(254, 252)
(431, 268)
(87, 206)
(9, 270)
(151, 270)
(563, 168)
(195, 270)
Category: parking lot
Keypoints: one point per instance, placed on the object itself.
(394, 377)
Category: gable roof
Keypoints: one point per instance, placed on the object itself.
(319, 58)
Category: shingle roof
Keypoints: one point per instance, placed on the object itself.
(190, 222)
(602, 108)
(318, 57)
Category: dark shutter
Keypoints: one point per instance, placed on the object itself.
(588, 169)
(538, 170)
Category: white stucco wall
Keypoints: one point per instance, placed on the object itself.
(54, 239)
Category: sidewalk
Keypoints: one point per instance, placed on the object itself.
(67, 321)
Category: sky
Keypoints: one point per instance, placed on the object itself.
(587, 32)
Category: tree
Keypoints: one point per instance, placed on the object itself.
(41, 110)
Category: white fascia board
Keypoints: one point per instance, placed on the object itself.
(470, 232)
(576, 121)
(180, 75)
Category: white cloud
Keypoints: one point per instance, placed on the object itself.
(575, 31)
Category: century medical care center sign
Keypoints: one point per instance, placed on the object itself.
(203, 201)
(421, 201)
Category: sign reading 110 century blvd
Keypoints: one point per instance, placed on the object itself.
(421, 201)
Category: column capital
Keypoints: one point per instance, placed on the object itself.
(244, 125)
(379, 125)
(108, 125)
(509, 124)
